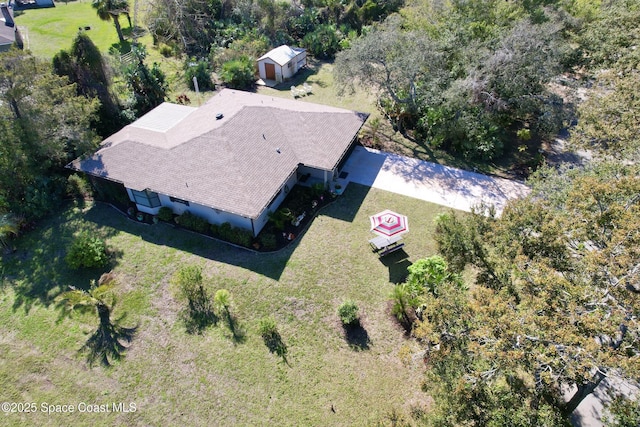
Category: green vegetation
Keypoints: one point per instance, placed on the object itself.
(238, 73)
(296, 286)
(268, 330)
(541, 268)
(106, 343)
(348, 312)
(50, 30)
(87, 251)
(199, 314)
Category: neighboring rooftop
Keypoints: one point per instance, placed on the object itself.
(236, 163)
(282, 54)
(7, 27)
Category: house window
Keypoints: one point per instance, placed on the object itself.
(146, 198)
(176, 200)
(291, 65)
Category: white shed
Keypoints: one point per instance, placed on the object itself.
(281, 63)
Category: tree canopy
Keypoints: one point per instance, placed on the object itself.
(555, 302)
(46, 125)
(464, 77)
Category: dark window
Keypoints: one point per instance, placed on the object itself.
(176, 200)
(146, 198)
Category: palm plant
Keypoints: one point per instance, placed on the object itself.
(105, 343)
(404, 301)
(222, 302)
(9, 226)
(110, 10)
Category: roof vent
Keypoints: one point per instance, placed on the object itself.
(219, 116)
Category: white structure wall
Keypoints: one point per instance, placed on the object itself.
(215, 216)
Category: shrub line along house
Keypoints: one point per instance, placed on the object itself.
(233, 159)
(281, 63)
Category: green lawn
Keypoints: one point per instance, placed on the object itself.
(180, 379)
(52, 29)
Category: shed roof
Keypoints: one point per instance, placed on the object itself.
(282, 54)
(237, 163)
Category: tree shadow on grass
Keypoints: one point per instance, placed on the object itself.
(357, 336)
(274, 343)
(108, 343)
(197, 320)
(238, 332)
(37, 271)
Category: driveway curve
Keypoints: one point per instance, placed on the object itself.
(443, 185)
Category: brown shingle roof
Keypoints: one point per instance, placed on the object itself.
(236, 164)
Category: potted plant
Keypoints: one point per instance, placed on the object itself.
(338, 189)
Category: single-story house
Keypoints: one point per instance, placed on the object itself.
(9, 34)
(233, 159)
(281, 63)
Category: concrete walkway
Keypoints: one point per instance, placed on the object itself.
(455, 188)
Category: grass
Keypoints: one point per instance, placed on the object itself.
(52, 29)
(177, 378)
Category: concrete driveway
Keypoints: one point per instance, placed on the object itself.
(447, 186)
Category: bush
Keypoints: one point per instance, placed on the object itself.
(238, 73)
(198, 313)
(269, 241)
(78, 187)
(323, 42)
(165, 214)
(241, 237)
(165, 50)
(193, 222)
(201, 70)
(87, 252)
(269, 332)
(348, 313)
(267, 327)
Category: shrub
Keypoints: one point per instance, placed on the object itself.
(267, 327)
(198, 313)
(280, 217)
(87, 252)
(78, 187)
(269, 241)
(323, 42)
(238, 73)
(201, 71)
(272, 339)
(165, 50)
(348, 313)
(193, 222)
(241, 237)
(165, 214)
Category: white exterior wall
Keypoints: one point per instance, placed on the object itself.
(283, 72)
(297, 63)
(263, 73)
(212, 215)
(325, 176)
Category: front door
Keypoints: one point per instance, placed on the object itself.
(270, 71)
